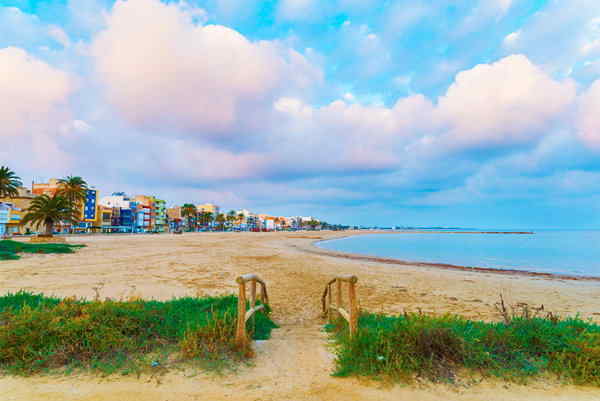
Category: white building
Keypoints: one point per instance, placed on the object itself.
(116, 200)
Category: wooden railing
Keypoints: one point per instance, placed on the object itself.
(351, 315)
(241, 337)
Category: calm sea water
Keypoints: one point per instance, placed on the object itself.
(563, 252)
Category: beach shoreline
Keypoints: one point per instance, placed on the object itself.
(314, 248)
(296, 363)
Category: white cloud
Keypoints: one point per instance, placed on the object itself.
(163, 71)
(297, 9)
(59, 35)
(589, 116)
(511, 39)
(33, 105)
(508, 102)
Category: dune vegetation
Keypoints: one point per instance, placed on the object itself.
(46, 334)
(447, 348)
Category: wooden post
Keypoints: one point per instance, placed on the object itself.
(252, 293)
(353, 323)
(253, 301)
(240, 335)
(328, 303)
(338, 295)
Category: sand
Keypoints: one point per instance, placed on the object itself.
(296, 363)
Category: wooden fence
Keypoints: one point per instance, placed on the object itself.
(243, 315)
(351, 316)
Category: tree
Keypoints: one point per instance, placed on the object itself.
(313, 223)
(220, 219)
(189, 211)
(73, 188)
(231, 217)
(47, 211)
(9, 183)
(240, 219)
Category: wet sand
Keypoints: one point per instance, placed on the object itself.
(296, 363)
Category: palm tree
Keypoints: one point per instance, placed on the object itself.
(220, 219)
(188, 210)
(240, 219)
(73, 188)
(9, 183)
(231, 217)
(47, 211)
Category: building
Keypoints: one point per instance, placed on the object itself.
(117, 199)
(160, 215)
(13, 217)
(45, 188)
(106, 221)
(5, 209)
(91, 220)
(174, 218)
(209, 207)
(145, 213)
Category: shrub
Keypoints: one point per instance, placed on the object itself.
(438, 348)
(38, 333)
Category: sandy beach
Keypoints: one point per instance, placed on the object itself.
(296, 363)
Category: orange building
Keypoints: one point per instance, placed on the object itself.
(46, 188)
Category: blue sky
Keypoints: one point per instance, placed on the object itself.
(480, 113)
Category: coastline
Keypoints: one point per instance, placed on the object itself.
(315, 249)
(296, 363)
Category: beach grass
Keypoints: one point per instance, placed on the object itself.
(9, 249)
(46, 334)
(444, 348)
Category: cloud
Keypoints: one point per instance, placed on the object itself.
(297, 9)
(33, 104)
(589, 116)
(510, 101)
(163, 71)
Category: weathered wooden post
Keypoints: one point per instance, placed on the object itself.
(338, 295)
(353, 323)
(329, 303)
(240, 336)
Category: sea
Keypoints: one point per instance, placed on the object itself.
(566, 252)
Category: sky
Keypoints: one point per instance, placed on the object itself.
(472, 113)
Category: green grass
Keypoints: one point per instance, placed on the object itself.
(9, 249)
(443, 348)
(41, 334)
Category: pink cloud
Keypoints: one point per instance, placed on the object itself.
(162, 70)
(33, 105)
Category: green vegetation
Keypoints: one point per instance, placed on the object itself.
(47, 211)
(9, 183)
(39, 334)
(440, 348)
(9, 249)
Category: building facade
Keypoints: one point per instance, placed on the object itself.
(18, 209)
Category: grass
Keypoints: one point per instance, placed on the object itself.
(9, 249)
(441, 348)
(45, 334)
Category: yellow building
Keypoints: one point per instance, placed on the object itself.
(18, 205)
(208, 207)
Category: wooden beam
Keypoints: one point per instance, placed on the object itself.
(240, 335)
(251, 311)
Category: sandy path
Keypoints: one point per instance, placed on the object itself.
(295, 364)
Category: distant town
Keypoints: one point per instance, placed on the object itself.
(121, 213)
